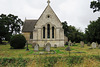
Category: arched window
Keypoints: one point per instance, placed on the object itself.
(43, 32)
(48, 30)
(52, 32)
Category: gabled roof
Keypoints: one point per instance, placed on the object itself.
(29, 25)
(47, 9)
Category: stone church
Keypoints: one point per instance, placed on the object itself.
(47, 29)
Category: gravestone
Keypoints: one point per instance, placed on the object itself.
(36, 47)
(55, 46)
(47, 47)
(69, 43)
(93, 45)
(89, 44)
(82, 44)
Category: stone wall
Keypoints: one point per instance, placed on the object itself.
(43, 43)
(26, 35)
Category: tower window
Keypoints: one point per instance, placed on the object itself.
(43, 32)
(52, 32)
(48, 30)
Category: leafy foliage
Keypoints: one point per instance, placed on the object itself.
(72, 33)
(95, 5)
(18, 41)
(9, 24)
(93, 31)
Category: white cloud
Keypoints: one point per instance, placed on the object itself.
(75, 12)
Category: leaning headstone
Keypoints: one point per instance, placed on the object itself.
(36, 47)
(93, 45)
(88, 44)
(82, 44)
(48, 46)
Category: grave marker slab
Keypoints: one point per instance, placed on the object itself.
(48, 46)
(36, 47)
(93, 45)
(69, 43)
(82, 44)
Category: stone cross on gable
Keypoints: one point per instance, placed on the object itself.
(48, 2)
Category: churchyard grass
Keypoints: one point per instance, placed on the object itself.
(79, 57)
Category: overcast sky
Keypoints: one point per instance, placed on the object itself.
(75, 12)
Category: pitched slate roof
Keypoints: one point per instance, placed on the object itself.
(29, 25)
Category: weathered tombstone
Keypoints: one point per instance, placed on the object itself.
(55, 46)
(93, 45)
(48, 46)
(69, 43)
(88, 44)
(36, 47)
(33, 45)
(82, 44)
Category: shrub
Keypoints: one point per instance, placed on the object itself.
(17, 41)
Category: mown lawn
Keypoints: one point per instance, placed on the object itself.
(79, 57)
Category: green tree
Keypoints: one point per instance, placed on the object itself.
(72, 33)
(9, 25)
(3, 31)
(75, 34)
(65, 27)
(93, 31)
(95, 5)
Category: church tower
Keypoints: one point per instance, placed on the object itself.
(47, 29)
